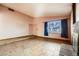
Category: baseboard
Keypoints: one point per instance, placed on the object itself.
(9, 40)
(58, 40)
(17, 37)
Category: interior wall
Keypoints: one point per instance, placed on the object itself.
(72, 27)
(39, 26)
(77, 12)
(13, 24)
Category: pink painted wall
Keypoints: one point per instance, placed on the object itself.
(13, 24)
(39, 26)
(39, 30)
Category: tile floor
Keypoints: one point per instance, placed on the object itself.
(31, 47)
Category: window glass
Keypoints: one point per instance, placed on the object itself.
(54, 26)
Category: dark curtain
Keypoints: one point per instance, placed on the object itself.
(45, 29)
(64, 26)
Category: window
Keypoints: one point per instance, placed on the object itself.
(54, 27)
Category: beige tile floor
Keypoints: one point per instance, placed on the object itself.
(30, 47)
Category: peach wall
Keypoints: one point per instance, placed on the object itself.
(13, 24)
(77, 12)
(39, 26)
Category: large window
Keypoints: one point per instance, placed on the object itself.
(54, 26)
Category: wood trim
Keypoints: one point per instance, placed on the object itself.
(69, 29)
(57, 40)
(15, 37)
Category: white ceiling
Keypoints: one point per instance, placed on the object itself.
(41, 9)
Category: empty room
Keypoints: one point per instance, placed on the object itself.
(37, 29)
